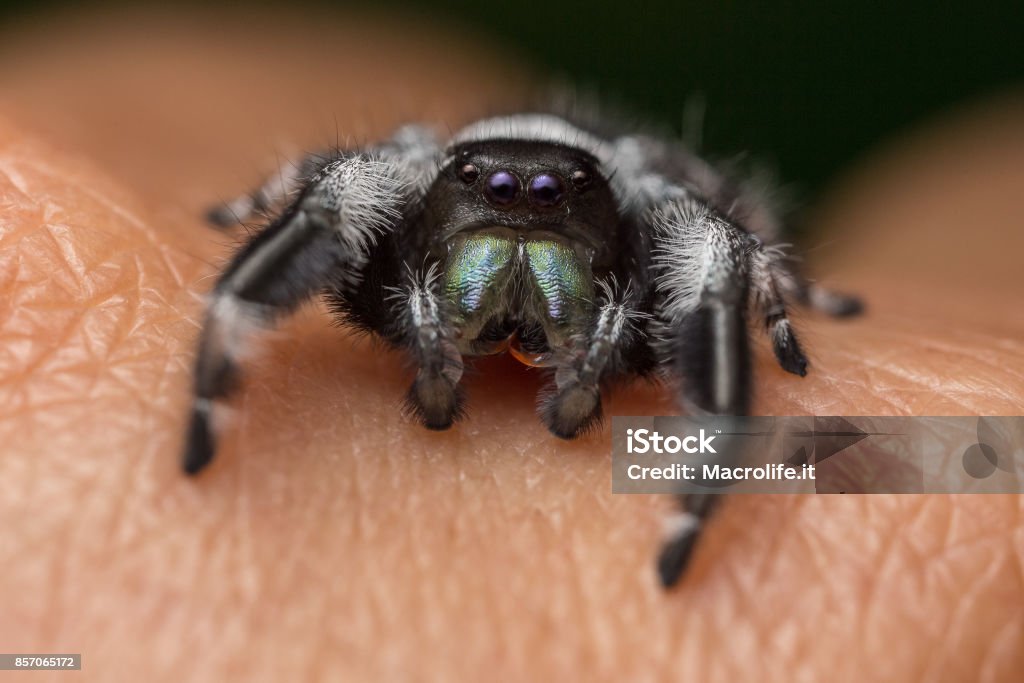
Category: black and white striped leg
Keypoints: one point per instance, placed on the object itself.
(573, 404)
(768, 300)
(703, 270)
(435, 397)
(323, 237)
(702, 284)
(798, 288)
(835, 304)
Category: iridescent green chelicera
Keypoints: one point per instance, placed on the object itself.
(478, 267)
(563, 282)
(495, 272)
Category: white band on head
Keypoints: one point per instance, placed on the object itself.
(534, 128)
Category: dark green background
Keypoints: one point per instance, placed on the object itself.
(806, 86)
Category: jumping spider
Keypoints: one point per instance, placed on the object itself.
(594, 256)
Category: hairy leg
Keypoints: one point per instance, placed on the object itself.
(703, 268)
(768, 301)
(327, 231)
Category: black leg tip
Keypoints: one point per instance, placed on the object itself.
(573, 412)
(435, 402)
(674, 558)
(221, 217)
(846, 306)
(199, 444)
(793, 361)
(787, 349)
(564, 434)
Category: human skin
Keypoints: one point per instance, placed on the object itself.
(333, 538)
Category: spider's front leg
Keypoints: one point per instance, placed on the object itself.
(327, 231)
(703, 266)
(707, 271)
(702, 270)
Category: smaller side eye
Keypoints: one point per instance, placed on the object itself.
(469, 173)
(581, 179)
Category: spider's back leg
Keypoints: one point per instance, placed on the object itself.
(769, 302)
(752, 203)
(269, 196)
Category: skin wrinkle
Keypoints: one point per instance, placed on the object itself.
(885, 556)
(307, 549)
(955, 623)
(1007, 640)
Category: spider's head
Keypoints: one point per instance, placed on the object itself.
(521, 226)
(526, 186)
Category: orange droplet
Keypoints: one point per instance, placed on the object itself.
(533, 360)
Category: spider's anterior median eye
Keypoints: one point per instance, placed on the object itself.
(502, 188)
(546, 189)
(469, 173)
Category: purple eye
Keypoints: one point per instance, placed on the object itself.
(546, 189)
(502, 188)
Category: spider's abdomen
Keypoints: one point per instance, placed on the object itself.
(501, 282)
